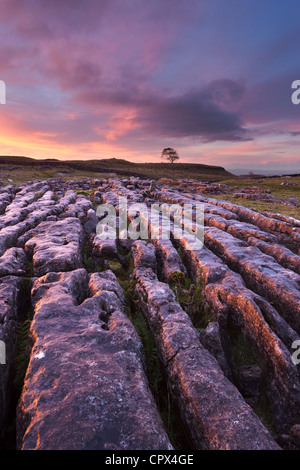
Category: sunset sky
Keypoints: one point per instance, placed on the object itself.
(92, 79)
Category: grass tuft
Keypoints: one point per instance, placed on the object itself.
(22, 352)
(189, 296)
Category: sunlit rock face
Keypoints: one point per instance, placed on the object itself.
(11, 312)
(13, 262)
(56, 246)
(260, 272)
(81, 336)
(196, 377)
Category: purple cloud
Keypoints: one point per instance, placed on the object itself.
(145, 75)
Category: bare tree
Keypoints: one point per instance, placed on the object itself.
(169, 154)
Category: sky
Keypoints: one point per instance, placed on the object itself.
(89, 79)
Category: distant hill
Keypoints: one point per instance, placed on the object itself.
(124, 167)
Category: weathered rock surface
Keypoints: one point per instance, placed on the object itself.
(143, 254)
(168, 260)
(235, 305)
(86, 373)
(91, 221)
(211, 338)
(250, 383)
(11, 311)
(213, 411)
(280, 253)
(104, 249)
(12, 233)
(260, 272)
(85, 382)
(78, 209)
(56, 246)
(286, 233)
(13, 262)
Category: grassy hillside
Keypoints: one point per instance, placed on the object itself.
(278, 189)
(275, 184)
(20, 169)
(166, 170)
